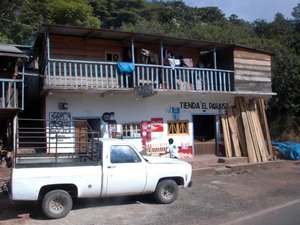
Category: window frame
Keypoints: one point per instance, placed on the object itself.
(178, 127)
(112, 55)
(136, 158)
(132, 130)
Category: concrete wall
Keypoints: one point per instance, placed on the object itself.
(132, 109)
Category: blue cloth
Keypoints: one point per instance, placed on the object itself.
(290, 150)
(125, 67)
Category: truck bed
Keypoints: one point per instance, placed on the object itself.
(55, 160)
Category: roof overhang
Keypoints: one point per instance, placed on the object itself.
(11, 51)
(127, 37)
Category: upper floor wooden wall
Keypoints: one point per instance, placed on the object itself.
(92, 49)
(252, 70)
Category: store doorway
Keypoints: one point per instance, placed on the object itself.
(204, 134)
(85, 130)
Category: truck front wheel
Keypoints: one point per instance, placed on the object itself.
(166, 192)
(57, 204)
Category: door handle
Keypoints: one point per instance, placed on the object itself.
(111, 167)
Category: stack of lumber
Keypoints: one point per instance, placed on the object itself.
(246, 132)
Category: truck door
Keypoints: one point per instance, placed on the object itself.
(126, 172)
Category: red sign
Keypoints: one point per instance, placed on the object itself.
(157, 124)
(146, 132)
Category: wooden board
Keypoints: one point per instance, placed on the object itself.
(253, 133)
(265, 126)
(250, 147)
(241, 132)
(251, 54)
(234, 133)
(226, 136)
(259, 134)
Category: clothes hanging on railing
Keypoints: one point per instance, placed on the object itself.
(174, 62)
(187, 62)
(149, 57)
(125, 67)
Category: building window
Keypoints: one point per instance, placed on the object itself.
(178, 127)
(131, 130)
(113, 57)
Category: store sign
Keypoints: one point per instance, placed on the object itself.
(146, 132)
(61, 137)
(204, 105)
(175, 113)
(157, 124)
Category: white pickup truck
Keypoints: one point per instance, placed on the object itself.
(115, 169)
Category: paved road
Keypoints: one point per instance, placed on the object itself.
(246, 198)
(286, 213)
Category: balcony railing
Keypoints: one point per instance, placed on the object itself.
(72, 74)
(9, 93)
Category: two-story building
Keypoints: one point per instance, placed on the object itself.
(145, 88)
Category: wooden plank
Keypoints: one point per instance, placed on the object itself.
(252, 67)
(253, 78)
(251, 55)
(259, 133)
(226, 137)
(250, 147)
(253, 86)
(253, 133)
(241, 133)
(234, 133)
(252, 62)
(255, 74)
(78, 42)
(265, 126)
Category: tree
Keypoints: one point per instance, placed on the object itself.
(72, 12)
(113, 13)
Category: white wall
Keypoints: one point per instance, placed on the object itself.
(128, 108)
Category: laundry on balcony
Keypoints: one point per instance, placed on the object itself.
(125, 67)
(187, 62)
(174, 62)
(149, 57)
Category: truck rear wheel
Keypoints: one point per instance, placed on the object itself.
(57, 204)
(166, 192)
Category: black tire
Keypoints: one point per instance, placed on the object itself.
(57, 204)
(166, 192)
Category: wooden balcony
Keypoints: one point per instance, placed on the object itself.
(103, 76)
(10, 101)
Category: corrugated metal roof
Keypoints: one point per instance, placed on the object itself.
(12, 51)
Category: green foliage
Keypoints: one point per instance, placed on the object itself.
(227, 33)
(75, 12)
(5, 40)
(113, 13)
(296, 14)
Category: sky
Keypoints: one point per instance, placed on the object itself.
(249, 10)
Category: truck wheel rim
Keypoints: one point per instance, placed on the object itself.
(167, 192)
(57, 205)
